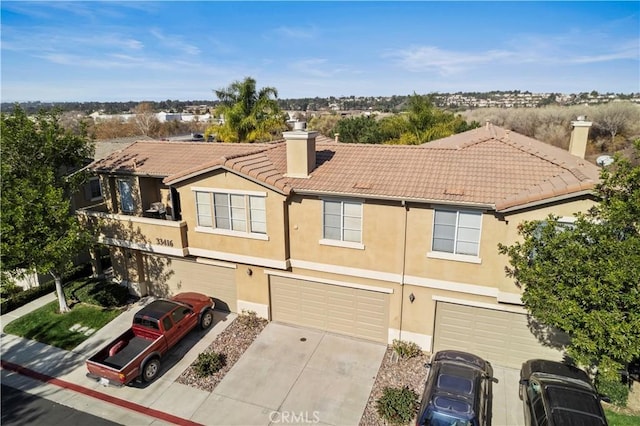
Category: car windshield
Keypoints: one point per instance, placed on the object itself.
(573, 400)
(434, 418)
(574, 418)
(452, 404)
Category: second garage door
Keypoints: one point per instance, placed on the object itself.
(503, 338)
(181, 275)
(344, 310)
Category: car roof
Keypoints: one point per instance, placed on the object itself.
(157, 309)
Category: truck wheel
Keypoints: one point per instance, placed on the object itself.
(151, 370)
(207, 319)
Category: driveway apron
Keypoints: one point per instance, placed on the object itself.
(296, 375)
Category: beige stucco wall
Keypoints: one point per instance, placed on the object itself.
(382, 236)
(274, 248)
(252, 288)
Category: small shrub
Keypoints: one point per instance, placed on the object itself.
(615, 390)
(249, 319)
(406, 349)
(9, 289)
(110, 294)
(26, 296)
(397, 405)
(209, 363)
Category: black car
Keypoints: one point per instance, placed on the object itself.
(558, 394)
(457, 391)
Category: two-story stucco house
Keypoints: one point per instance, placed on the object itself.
(378, 242)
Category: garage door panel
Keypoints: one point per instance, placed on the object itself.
(180, 275)
(501, 337)
(344, 310)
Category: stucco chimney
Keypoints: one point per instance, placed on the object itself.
(579, 136)
(301, 151)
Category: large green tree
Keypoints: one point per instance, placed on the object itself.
(249, 114)
(39, 231)
(584, 278)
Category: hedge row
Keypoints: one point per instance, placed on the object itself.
(26, 296)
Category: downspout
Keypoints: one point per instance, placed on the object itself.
(404, 264)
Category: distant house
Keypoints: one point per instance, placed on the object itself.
(378, 242)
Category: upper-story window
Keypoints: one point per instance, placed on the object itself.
(126, 196)
(93, 191)
(231, 211)
(456, 232)
(342, 221)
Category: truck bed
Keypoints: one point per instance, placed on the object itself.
(134, 348)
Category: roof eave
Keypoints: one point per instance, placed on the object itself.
(563, 197)
(485, 206)
(170, 182)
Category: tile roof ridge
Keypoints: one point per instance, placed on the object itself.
(542, 150)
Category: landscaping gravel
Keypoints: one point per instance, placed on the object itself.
(395, 372)
(232, 342)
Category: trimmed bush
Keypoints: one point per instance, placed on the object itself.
(397, 405)
(26, 296)
(98, 292)
(209, 363)
(406, 349)
(615, 390)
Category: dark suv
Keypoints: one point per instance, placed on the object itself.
(457, 391)
(557, 394)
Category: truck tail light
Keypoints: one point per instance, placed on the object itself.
(122, 377)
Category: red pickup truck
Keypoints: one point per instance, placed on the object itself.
(137, 353)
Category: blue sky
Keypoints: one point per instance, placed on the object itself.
(158, 50)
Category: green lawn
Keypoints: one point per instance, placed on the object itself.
(46, 325)
(619, 419)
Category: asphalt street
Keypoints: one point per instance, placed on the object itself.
(21, 408)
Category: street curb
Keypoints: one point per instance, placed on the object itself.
(98, 395)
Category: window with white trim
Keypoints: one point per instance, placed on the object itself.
(126, 196)
(231, 211)
(456, 232)
(342, 221)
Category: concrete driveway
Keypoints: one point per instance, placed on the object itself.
(292, 375)
(507, 407)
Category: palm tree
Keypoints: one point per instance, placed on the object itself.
(249, 115)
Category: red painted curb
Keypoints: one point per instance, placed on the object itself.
(98, 395)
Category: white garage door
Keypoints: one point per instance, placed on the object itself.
(344, 310)
(502, 338)
(178, 275)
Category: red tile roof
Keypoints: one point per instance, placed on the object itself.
(487, 167)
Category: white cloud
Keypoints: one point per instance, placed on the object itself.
(175, 42)
(295, 32)
(445, 62)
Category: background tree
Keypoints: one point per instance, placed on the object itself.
(249, 114)
(362, 129)
(615, 118)
(585, 279)
(325, 124)
(39, 232)
(427, 123)
(145, 118)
